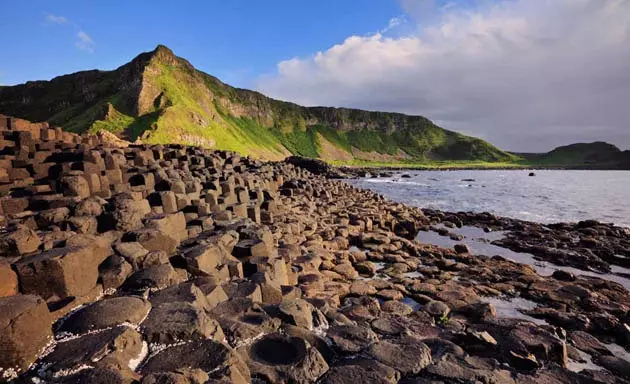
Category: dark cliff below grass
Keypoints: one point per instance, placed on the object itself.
(161, 98)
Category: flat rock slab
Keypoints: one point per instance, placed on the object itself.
(119, 344)
(169, 323)
(107, 313)
(207, 355)
(408, 358)
(351, 338)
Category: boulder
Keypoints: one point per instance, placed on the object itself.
(25, 329)
(174, 224)
(297, 312)
(128, 212)
(18, 242)
(8, 280)
(75, 185)
(153, 240)
(61, 272)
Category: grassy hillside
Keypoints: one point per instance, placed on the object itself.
(581, 155)
(161, 98)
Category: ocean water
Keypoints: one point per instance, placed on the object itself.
(550, 196)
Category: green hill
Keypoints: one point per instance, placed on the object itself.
(161, 98)
(581, 155)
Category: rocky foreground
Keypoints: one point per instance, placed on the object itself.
(171, 264)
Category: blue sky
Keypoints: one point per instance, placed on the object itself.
(527, 75)
(235, 40)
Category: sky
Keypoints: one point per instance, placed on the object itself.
(526, 75)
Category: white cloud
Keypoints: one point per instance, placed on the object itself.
(56, 19)
(525, 74)
(85, 42)
(394, 22)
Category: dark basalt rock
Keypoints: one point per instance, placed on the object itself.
(169, 323)
(279, 358)
(207, 355)
(119, 344)
(281, 263)
(106, 313)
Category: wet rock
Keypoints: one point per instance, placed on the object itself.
(588, 343)
(479, 311)
(563, 275)
(462, 248)
(25, 329)
(107, 313)
(616, 365)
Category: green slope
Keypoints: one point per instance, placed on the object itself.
(581, 155)
(161, 98)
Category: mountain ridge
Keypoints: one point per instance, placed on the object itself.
(162, 98)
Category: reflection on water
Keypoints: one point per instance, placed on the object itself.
(509, 308)
(478, 241)
(577, 366)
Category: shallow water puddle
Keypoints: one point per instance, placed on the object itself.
(412, 303)
(618, 351)
(509, 309)
(478, 241)
(413, 275)
(588, 363)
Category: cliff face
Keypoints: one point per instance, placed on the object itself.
(162, 98)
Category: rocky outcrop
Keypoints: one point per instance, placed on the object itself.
(172, 264)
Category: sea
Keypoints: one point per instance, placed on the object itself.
(549, 196)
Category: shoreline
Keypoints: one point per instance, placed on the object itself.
(141, 263)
